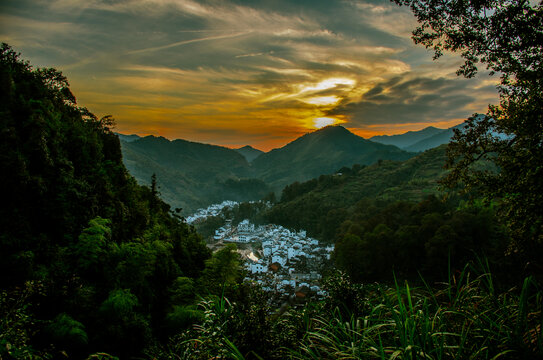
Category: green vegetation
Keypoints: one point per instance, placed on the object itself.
(95, 266)
(321, 152)
(89, 258)
(465, 317)
(192, 175)
(321, 205)
(506, 37)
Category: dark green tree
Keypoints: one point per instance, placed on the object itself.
(506, 36)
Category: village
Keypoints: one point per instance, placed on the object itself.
(283, 262)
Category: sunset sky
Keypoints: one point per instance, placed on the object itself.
(245, 72)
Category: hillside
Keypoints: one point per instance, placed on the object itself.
(191, 175)
(321, 152)
(89, 257)
(322, 204)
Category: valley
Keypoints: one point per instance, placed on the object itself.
(420, 245)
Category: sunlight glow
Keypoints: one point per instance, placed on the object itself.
(324, 121)
(322, 100)
(327, 84)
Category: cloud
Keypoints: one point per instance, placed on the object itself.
(221, 70)
(412, 99)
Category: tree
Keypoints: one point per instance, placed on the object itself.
(222, 270)
(507, 37)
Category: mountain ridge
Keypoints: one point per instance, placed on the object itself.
(408, 138)
(194, 175)
(321, 152)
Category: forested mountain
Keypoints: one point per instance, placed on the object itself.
(403, 141)
(190, 174)
(249, 152)
(321, 204)
(321, 152)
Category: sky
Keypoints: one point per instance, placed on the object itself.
(245, 72)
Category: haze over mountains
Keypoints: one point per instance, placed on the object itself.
(418, 141)
(191, 175)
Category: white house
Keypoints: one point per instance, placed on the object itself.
(279, 258)
(246, 227)
(258, 268)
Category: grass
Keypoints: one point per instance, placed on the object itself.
(463, 319)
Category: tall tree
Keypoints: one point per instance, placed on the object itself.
(506, 36)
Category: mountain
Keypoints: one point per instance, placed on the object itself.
(417, 141)
(403, 141)
(322, 204)
(440, 138)
(321, 152)
(193, 175)
(249, 152)
(190, 174)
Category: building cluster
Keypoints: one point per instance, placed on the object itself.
(212, 210)
(289, 262)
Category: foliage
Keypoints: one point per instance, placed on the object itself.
(417, 238)
(464, 318)
(104, 250)
(222, 270)
(17, 325)
(66, 331)
(321, 205)
(507, 37)
(243, 328)
(207, 227)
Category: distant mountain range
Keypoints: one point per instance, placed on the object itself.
(321, 152)
(418, 141)
(193, 175)
(190, 174)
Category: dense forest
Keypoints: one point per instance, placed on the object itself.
(95, 266)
